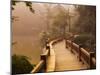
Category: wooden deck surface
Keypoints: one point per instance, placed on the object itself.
(65, 60)
(51, 61)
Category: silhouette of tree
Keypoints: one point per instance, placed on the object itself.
(27, 3)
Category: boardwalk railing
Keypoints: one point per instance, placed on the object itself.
(42, 66)
(82, 54)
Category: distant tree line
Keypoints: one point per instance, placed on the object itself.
(86, 26)
(57, 23)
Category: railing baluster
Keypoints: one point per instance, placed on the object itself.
(48, 48)
(71, 46)
(90, 61)
(66, 43)
(80, 52)
(43, 57)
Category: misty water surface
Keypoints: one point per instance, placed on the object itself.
(26, 31)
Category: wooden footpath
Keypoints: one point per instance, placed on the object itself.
(64, 55)
(65, 60)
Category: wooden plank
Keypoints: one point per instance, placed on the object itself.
(51, 62)
(51, 58)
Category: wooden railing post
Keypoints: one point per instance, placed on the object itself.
(66, 43)
(71, 46)
(43, 57)
(80, 52)
(90, 61)
(48, 48)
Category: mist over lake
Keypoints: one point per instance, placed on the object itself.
(27, 28)
(26, 32)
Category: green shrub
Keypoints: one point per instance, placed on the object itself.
(87, 41)
(20, 65)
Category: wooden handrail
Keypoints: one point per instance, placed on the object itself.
(44, 57)
(41, 66)
(38, 67)
(84, 55)
(84, 51)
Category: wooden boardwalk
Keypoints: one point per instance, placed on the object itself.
(65, 60)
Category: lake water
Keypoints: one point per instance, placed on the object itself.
(28, 46)
(26, 29)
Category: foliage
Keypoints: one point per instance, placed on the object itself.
(86, 24)
(87, 41)
(87, 20)
(59, 22)
(28, 4)
(21, 65)
(43, 38)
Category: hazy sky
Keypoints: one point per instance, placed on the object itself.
(29, 22)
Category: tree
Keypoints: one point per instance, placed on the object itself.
(27, 3)
(87, 19)
(56, 24)
(48, 14)
(59, 22)
(43, 38)
(86, 25)
(21, 65)
(45, 34)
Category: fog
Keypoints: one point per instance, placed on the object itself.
(27, 27)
